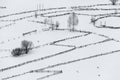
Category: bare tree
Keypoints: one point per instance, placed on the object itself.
(57, 25)
(51, 24)
(93, 20)
(114, 2)
(36, 12)
(45, 21)
(36, 15)
(26, 45)
(72, 21)
(104, 25)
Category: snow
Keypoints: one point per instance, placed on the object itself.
(47, 55)
(83, 40)
(109, 21)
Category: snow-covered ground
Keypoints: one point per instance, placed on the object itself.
(91, 45)
(85, 54)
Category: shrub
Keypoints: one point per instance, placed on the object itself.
(26, 46)
(17, 52)
(114, 2)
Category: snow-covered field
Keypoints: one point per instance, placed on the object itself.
(88, 53)
(91, 45)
